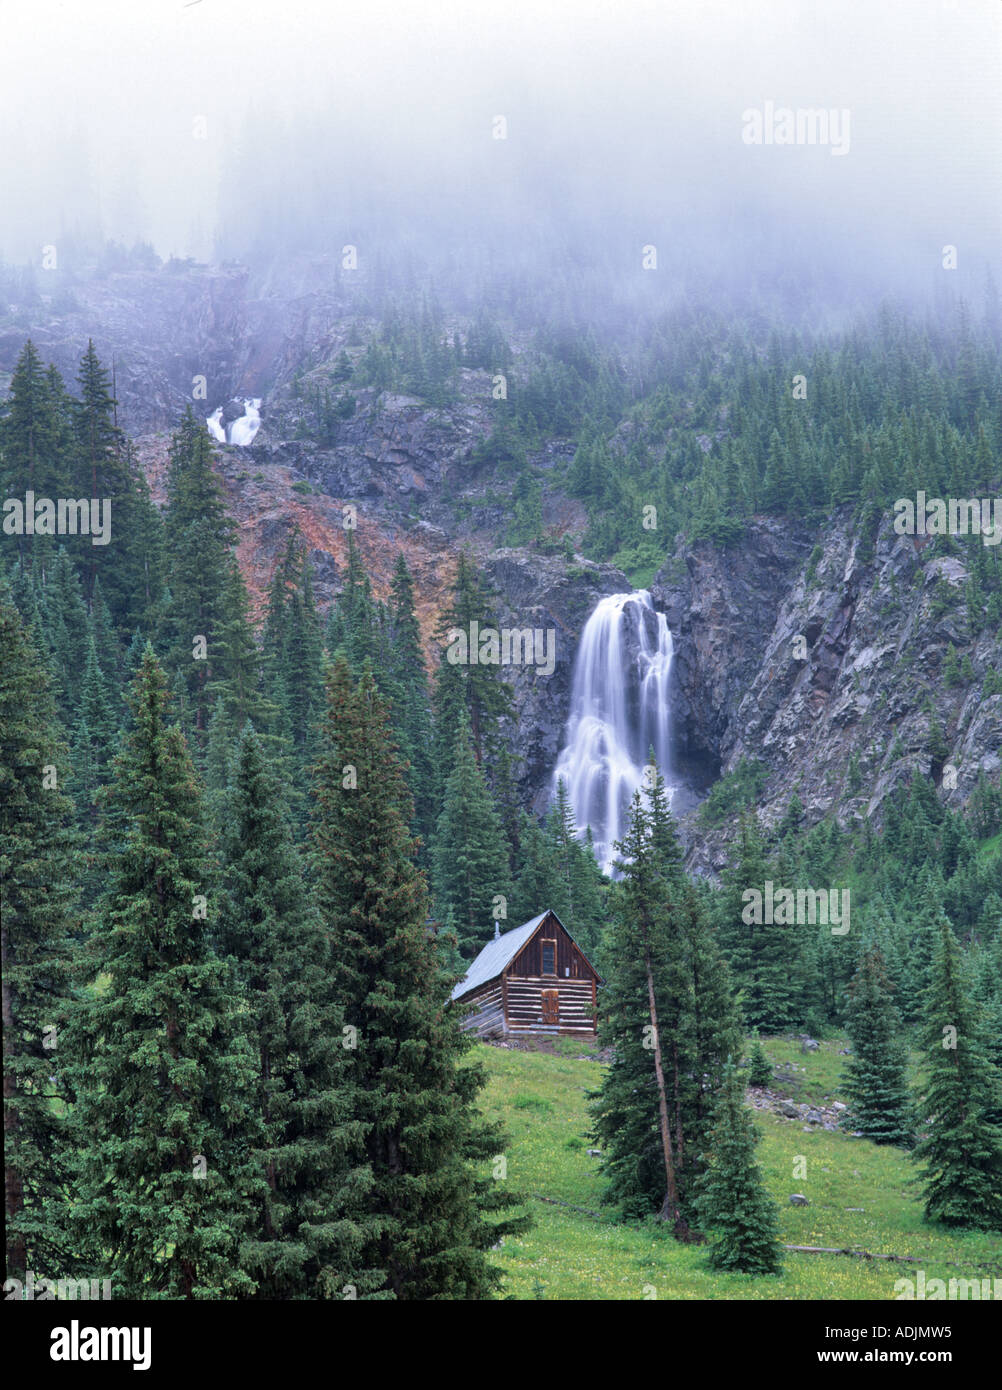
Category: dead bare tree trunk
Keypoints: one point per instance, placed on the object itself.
(671, 1209)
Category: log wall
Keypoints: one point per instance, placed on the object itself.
(525, 1005)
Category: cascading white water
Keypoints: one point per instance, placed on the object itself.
(619, 711)
(240, 431)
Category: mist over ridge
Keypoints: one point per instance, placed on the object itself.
(232, 132)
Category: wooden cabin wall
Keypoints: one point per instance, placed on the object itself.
(525, 1005)
(486, 1017)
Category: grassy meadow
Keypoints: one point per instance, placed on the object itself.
(862, 1196)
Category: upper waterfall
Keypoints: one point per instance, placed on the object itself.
(619, 712)
(240, 430)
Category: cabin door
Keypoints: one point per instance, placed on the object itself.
(551, 1006)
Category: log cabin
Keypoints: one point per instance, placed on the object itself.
(532, 979)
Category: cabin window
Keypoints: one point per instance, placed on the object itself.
(549, 957)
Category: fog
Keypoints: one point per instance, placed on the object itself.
(247, 130)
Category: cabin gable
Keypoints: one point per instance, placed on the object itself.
(550, 952)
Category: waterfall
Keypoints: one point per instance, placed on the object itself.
(619, 711)
(240, 431)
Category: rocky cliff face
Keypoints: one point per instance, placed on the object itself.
(832, 679)
(814, 662)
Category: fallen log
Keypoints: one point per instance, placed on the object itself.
(860, 1254)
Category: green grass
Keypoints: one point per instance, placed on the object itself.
(988, 849)
(815, 1077)
(541, 1098)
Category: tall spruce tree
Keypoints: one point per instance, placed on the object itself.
(877, 1091)
(632, 1118)
(30, 457)
(468, 683)
(764, 956)
(292, 652)
(237, 685)
(469, 855)
(105, 467)
(732, 1203)
(428, 1148)
(669, 1016)
(352, 622)
(536, 887)
(961, 1151)
(63, 619)
(412, 719)
(164, 1123)
(578, 896)
(198, 536)
(37, 925)
(308, 1229)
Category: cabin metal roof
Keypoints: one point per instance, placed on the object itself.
(500, 952)
(496, 955)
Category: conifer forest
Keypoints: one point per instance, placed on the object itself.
(501, 667)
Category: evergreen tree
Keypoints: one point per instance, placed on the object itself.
(426, 1144)
(764, 956)
(469, 856)
(535, 887)
(164, 1123)
(669, 1016)
(105, 468)
(308, 1230)
(303, 658)
(759, 1066)
(412, 719)
(578, 896)
(989, 995)
(352, 623)
(293, 677)
(30, 457)
(875, 1073)
(95, 738)
(732, 1202)
(960, 1150)
(63, 616)
(467, 684)
(236, 688)
(37, 900)
(197, 540)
